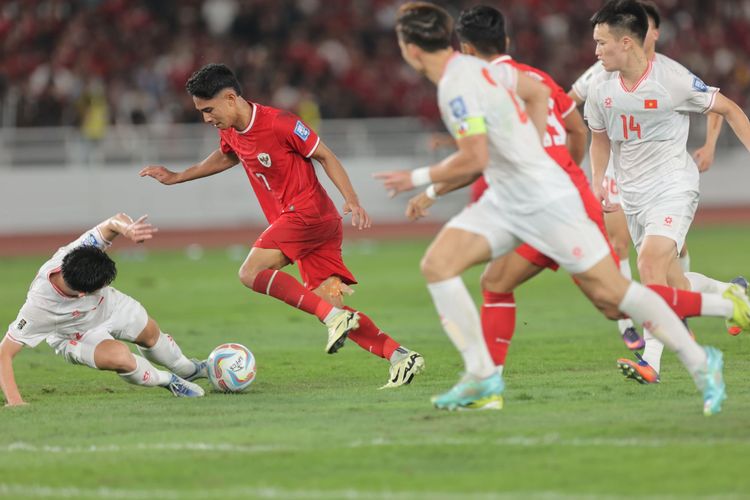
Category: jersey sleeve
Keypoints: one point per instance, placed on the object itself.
(224, 145)
(28, 329)
(593, 112)
(581, 86)
(460, 108)
(690, 94)
(564, 104)
(290, 130)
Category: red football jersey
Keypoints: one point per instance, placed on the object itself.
(555, 140)
(275, 150)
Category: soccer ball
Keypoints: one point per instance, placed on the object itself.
(231, 368)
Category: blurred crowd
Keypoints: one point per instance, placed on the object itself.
(91, 63)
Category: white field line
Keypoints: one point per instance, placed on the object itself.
(550, 440)
(39, 491)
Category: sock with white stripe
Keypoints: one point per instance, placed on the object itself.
(498, 324)
(460, 320)
(284, 287)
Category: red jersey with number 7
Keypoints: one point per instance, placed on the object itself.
(275, 150)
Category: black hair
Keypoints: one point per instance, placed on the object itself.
(483, 27)
(210, 80)
(623, 16)
(87, 269)
(652, 10)
(426, 25)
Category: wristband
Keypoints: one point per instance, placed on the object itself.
(420, 176)
(431, 193)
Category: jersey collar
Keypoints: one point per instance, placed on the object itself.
(448, 62)
(640, 80)
(252, 119)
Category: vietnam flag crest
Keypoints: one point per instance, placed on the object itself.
(650, 104)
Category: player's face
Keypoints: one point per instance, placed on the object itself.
(217, 111)
(609, 49)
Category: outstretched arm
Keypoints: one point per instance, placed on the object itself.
(8, 350)
(735, 117)
(704, 156)
(576, 130)
(216, 162)
(335, 171)
(599, 152)
(536, 97)
(121, 224)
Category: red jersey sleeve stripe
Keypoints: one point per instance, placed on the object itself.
(570, 110)
(315, 146)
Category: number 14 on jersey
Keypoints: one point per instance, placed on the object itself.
(630, 127)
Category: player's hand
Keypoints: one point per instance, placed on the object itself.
(160, 173)
(20, 402)
(418, 205)
(602, 194)
(704, 157)
(395, 181)
(138, 230)
(360, 219)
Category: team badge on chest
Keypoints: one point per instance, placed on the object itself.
(264, 159)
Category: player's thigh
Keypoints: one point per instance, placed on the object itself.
(670, 217)
(114, 355)
(80, 349)
(617, 229)
(127, 319)
(655, 259)
(604, 286)
(263, 258)
(453, 251)
(504, 274)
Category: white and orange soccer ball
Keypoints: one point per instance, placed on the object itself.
(231, 367)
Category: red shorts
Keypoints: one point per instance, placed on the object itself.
(316, 248)
(593, 210)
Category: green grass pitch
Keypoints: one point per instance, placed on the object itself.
(315, 426)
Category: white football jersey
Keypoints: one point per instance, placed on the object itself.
(47, 311)
(648, 128)
(476, 97)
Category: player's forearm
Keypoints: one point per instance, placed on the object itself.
(215, 163)
(8, 380)
(599, 153)
(114, 226)
(442, 188)
(336, 172)
(740, 124)
(713, 129)
(577, 145)
(458, 167)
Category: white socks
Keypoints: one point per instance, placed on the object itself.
(167, 353)
(652, 351)
(685, 263)
(460, 319)
(624, 324)
(701, 283)
(146, 374)
(646, 308)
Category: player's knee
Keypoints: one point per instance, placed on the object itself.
(496, 283)
(150, 334)
(622, 248)
(247, 275)
(651, 271)
(435, 269)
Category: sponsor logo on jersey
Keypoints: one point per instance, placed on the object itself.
(458, 107)
(21, 324)
(265, 158)
(301, 131)
(650, 104)
(699, 85)
(608, 102)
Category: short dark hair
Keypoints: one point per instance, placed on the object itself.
(87, 269)
(426, 25)
(484, 28)
(623, 16)
(210, 80)
(652, 11)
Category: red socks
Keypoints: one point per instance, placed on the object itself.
(683, 302)
(284, 287)
(498, 323)
(371, 338)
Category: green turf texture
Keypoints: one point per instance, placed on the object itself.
(316, 426)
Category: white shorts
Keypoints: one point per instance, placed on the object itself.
(561, 230)
(610, 184)
(670, 217)
(124, 319)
